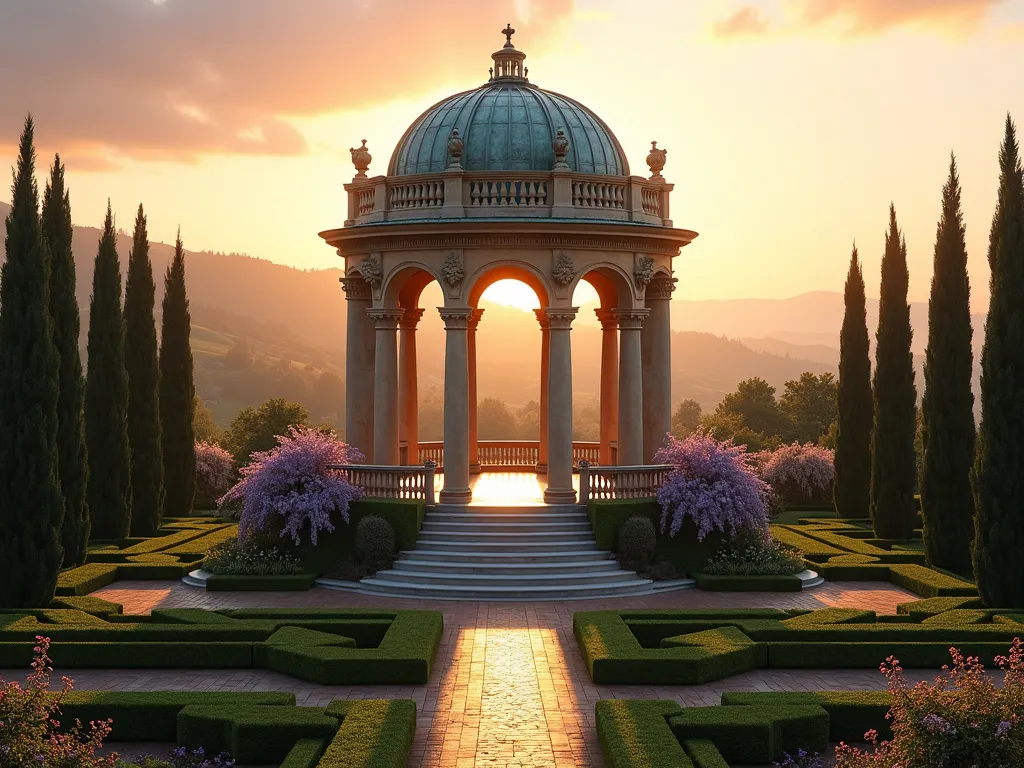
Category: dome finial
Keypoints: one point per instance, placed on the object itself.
(508, 32)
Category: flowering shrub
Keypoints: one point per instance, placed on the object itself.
(251, 556)
(28, 730)
(180, 758)
(960, 720)
(291, 485)
(756, 557)
(714, 484)
(800, 474)
(802, 759)
(215, 471)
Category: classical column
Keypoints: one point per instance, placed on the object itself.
(385, 386)
(609, 383)
(656, 346)
(359, 345)
(474, 454)
(631, 428)
(545, 367)
(456, 405)
(560, 490)
(408, 392)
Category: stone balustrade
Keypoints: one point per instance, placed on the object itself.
(385, 482)
(509, 455)
(635, 482)
(557, 194)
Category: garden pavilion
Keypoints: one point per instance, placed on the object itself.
(507, 180)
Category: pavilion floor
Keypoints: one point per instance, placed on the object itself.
(507, 489)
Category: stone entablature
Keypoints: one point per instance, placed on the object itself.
(556, 194)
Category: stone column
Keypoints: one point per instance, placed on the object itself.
(456, 405)
(359, 345)
(545, 366)
(385, 386)
(631, 427)
(656, 352)
(474, 453)
(560, 490)
(408, 390)
(609, 383)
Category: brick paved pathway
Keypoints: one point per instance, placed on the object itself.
(509, 688)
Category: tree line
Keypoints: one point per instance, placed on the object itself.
(971, 482)
(102, 456)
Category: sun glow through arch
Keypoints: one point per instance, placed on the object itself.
(514, 293)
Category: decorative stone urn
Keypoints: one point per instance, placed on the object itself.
(560, 146)
(361, 158)
(656, 161)
(455, 147)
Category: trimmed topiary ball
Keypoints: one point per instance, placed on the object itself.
(375, 541)
(637, 540)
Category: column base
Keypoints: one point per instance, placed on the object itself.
(541, 469)
(456, 495)
(559, 496)
(475, 469)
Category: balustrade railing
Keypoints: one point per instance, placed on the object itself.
(636, 482)
(507, 193)
(433, 451)
(469, 194)
(509, 455)
(386, 482)
(589, 194)
(590, 452)
(425, 194)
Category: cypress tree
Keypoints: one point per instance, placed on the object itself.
(106, 398)
(947, 409)
(851, 493)
(893, 463)
(74, 469)
(177, 390)
(998, 482)
(31, 504)
(140, 362)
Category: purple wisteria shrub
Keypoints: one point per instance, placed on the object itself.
(961, 719)
(714, 484)
(29, 735)
(215, 471)
(290, 486)
(800, 474)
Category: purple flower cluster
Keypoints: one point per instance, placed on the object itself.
(798, 472)
(214, 469)
(714, 484)
(293, 485)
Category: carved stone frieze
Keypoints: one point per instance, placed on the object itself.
(371, 270)
(453, 271)
(564, 270)
(643, 272)
(440, 242)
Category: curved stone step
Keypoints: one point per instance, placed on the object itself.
(506, 517)
(499, 526)
(505, 537)
(455, 564)
(503, 555)
(635, 586)
(475, 580)
(509, 545)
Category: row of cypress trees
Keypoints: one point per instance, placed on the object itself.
(84, 458)
(971, 491)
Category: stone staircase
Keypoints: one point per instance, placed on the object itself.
(506, 553)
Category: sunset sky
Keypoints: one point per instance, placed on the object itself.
(789, 124)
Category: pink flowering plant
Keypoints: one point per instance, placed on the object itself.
(291, 486)
(215, 470)
(961, 720)
(800, 474)
(29, 731)
(714, 484)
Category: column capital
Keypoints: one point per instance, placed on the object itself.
(609, 322)
(410, 319)
(631, 319)
(560, 318)
(660, 288)
(542, 319)
(386, 318)
(456, 318)
(355, 288)
(474, 319)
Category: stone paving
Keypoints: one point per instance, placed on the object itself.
(509, 688)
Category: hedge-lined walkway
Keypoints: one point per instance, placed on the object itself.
(510, 689)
